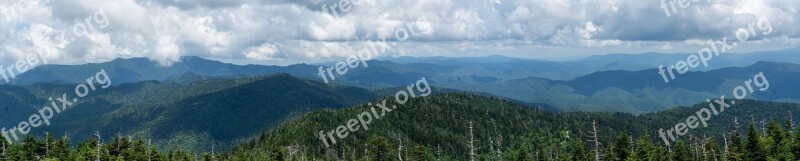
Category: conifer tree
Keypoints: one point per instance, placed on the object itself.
(420, 153)
(754, 150)
(621, 148)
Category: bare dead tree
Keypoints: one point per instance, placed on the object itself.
(292, 150)
(491, 146)
(149, 155)
(97, 133)
(703, 147)
(471, 143)
(46, 144)
(438, 152)
(791, 122)
(595, 140)
(693, 145)
(763, 125)
(725, 139)
(498, 153)
(213, 157)
(400, 148)
(4, 150)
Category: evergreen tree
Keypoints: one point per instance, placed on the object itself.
(682, 152)
(420, 153)
(32, 149)
(379, 149)
(621, 149)
(277, 155)
(580, 152)
(61, 149)
(735, 151)
(796, 144)
(644, 150)
(754, 150)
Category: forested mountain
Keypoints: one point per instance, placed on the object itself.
(645, 91)
(194, 116)
(438, 127)
(530, 81)
(463, 127)
(134, 70)
(445, 70)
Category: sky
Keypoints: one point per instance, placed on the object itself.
(282, 32)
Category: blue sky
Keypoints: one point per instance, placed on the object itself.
(299, 31)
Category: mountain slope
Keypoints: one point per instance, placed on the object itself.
(442, 121)
(219, 118)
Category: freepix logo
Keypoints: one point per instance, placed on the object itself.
(761, 27)
(670, 8)
(419, 27)
(758, 82)
(57, 105)
(377, 111)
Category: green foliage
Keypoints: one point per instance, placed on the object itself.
(525, 133)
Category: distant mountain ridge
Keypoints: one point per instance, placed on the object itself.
(450, 70)
(141, 69)
(645, 91)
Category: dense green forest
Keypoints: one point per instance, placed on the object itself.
(467, 127)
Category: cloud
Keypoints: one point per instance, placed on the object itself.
(165, 30)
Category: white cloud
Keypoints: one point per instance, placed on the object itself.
(238, 29)
(264, 52)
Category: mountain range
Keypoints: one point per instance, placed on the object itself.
(199, 103)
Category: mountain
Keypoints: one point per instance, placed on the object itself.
(645, 91)
(439, 124)
(141, 69)
(192, 116)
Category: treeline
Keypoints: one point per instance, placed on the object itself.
(470, 127)
(774, 142)
(119, 148)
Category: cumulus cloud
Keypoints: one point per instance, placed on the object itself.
(165, 30)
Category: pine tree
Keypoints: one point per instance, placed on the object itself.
(644, 150)
(32, 149)
(754, 150)
(379, 149)
(682, 152)
(621, 148)
(61, 148)
(580, 152)
(735, 152)
(276, 154)
(796, 143)
(420, 153)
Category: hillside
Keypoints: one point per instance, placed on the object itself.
(439, 123)
(192, 116)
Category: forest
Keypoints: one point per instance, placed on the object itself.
(471, 127)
